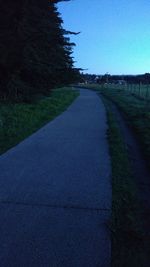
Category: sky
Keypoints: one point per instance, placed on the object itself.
(115, 34)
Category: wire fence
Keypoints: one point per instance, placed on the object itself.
(140, 90)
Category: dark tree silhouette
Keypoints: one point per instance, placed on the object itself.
(35, 50)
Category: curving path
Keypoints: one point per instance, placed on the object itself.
(55, 192)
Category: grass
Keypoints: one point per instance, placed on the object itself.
(18, 121)
(139, 90)
(128, 237)
(126, 227)
(136, 111)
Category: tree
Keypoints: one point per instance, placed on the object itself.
(36, 52)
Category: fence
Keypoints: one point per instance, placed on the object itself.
(139, 90)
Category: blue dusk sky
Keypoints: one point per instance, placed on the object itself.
(115, 34)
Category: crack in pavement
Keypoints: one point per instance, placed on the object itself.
(7, 202)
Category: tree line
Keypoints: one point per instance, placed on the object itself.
(107, 78)
(35, 50)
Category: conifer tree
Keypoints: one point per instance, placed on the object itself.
(35, 51)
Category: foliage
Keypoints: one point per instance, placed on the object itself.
(35, 51)
(107, 78)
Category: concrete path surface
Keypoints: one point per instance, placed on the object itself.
(55, 192)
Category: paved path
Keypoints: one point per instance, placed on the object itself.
(55, 192)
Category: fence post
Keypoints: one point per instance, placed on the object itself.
(130, 88)
(133, 88)
(147, 92)
(147, 99)
(140, 89)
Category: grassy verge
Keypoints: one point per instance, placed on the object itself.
(129, 244)
(127, 247)
(136, 111)
(17, 121)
